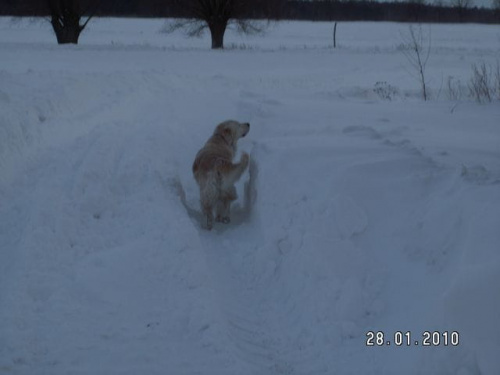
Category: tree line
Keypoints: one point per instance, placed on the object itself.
(314, 10)
(70, 17)
(398, 11)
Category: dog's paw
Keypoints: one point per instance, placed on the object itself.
(207, 226)
(223, 219)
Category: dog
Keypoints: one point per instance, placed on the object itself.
(215, 173)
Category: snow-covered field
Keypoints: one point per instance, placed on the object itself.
(358, 213)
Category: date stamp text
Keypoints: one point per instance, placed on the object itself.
(406, 338)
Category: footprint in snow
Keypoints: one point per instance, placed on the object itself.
(351, 219)
(478, 174)
(360, 130)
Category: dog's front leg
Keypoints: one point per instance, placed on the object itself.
(233, 172)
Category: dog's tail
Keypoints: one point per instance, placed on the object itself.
(244, 212)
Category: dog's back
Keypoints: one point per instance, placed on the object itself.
(213, 154)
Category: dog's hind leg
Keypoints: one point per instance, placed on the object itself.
(208, 196)
(208, 216)
(223, 208)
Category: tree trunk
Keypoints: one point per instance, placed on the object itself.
(335, 35)
(66, 32)
(217, 32)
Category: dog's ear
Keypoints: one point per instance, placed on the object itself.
(228, 135)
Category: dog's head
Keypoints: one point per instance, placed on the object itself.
(232, 130)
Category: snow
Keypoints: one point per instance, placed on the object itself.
(357, 214)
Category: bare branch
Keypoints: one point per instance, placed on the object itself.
(90, 16)
(414, 50)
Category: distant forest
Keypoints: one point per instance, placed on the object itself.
(319, 10)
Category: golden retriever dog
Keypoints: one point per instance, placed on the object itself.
(216, 174)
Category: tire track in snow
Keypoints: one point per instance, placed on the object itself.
(264, 320)
(261, 322)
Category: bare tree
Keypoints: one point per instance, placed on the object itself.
(335, 35)
(217, 15)
(417, 50)
(65, 17)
